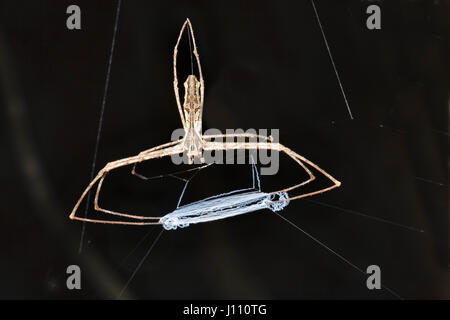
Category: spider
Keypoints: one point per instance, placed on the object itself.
(193, 144)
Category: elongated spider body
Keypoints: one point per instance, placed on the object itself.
(194, 143)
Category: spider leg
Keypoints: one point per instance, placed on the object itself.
(197, 57)
(238, 135)
(175, 77)
(112, 166)
(115, 213)
(162, 146)
(279, 147)
(336, 183)
(260, 145)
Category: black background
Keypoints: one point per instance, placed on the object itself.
(265, 66)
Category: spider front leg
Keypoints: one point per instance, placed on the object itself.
(294, 155)
(163, 146)
(115, 213)
(187, 24)
(238, 135)
(279, 147)
(100, 178)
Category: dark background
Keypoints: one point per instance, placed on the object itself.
(265, 66)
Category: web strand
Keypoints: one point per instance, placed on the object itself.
(135, 248)
(100, 122)
(357, 213)
(332, 60)
(140, 264)
(335, 253)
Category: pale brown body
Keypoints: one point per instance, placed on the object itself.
(194, 143)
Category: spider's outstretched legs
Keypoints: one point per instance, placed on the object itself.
(238, 135)
(175, 77)
(259, 145)
(115, 213)
(165, 145)
(281, 148)
(156, 153)
(300, 158)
